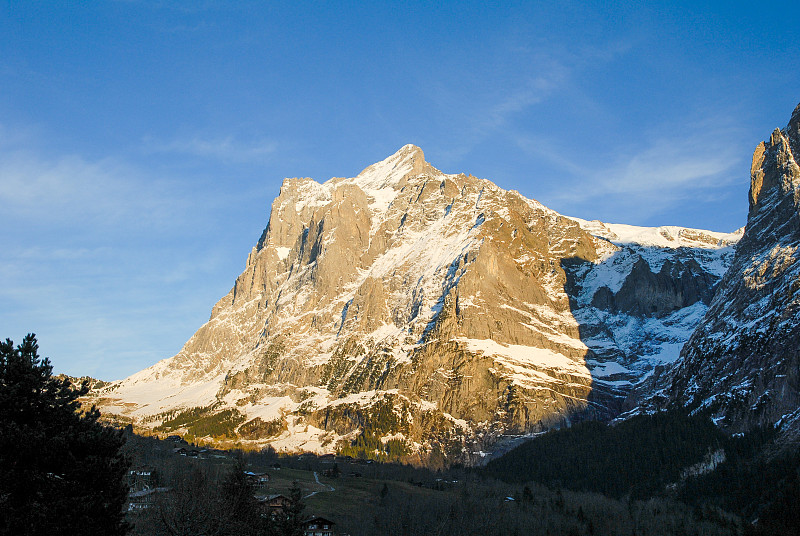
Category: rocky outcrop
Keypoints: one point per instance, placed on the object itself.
(743, 361)
(644, 292)
(468, 309)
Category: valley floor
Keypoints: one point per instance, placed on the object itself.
(371, 498)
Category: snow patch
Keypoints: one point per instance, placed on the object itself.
(528, 356)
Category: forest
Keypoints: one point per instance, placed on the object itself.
(749, 474)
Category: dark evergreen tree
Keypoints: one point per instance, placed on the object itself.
(290, 521)
(61, 471)
(240, 507)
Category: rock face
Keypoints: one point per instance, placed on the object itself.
(743, 361)
(675, 286)
(409, 313)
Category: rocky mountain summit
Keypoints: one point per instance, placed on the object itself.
(412, 314)
(743, 360)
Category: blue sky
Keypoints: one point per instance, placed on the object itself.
(142, 142)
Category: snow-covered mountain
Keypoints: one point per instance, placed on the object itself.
(743, 361)
(422, 315)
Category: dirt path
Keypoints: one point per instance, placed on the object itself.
(316, 477)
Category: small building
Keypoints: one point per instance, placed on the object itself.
(276, 504)
(257, 479)
(143, 499)
(318, 526)
(140, 478)
(332, 473)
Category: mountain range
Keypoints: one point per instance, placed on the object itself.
(410, 314)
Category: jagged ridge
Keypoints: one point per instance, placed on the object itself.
(743, 361)
(434, 310)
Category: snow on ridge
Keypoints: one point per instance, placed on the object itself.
(382, 182)
(665, 236)
(655, 245)
(379, 181)
(310, 192)
(161, 394)
(611, 273)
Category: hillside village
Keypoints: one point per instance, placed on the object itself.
(146, 494)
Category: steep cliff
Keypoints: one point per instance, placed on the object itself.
(743, 361)
(412, 313)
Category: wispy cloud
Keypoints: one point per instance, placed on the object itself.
(109, 262)
(651, 175)
(227, 149)
(72, 190)
(480, 118)
(534, 91)
(504, 93)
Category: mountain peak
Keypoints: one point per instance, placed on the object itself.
(408, 155)
(774, 172)
(793, 131)
(414, 155)
(413, 151)
(740, 359)
(408, 160)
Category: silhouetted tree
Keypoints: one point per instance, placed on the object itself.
(191, 507)
(239, 505)
(290, 522)
(61, 471)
